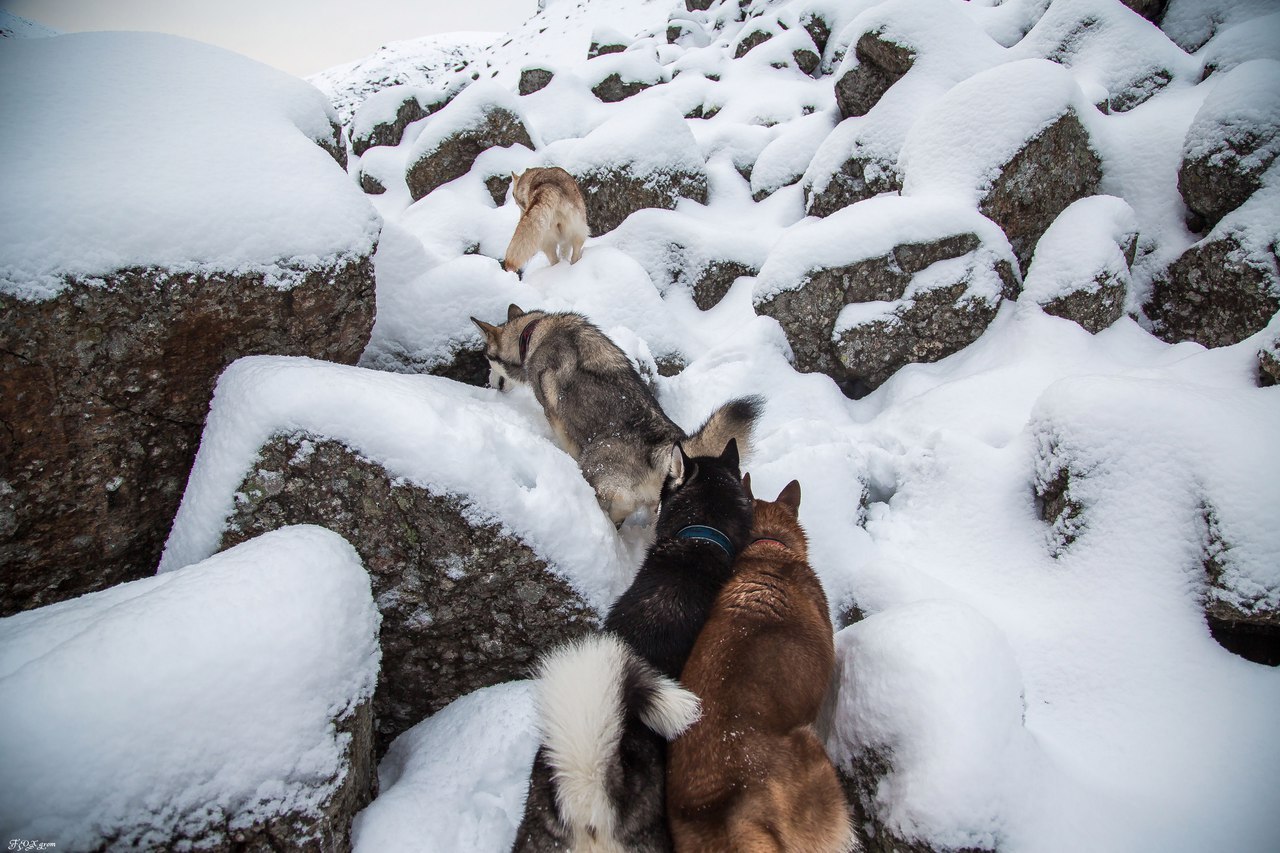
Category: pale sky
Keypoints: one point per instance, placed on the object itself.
(298, 36)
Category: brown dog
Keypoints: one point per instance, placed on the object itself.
(751, 775)
(553, 217)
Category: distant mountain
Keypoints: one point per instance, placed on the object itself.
(419, 62)
(14, 27)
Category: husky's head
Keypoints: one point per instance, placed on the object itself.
(502, 348)
(520, 189)
(705, 490)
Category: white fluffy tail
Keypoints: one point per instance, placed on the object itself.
(585, 691)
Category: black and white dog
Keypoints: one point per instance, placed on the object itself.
(609, 703)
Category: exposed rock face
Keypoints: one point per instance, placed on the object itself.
(713, 281)
(613, 88)
(602, 49)
(1269, 364)
(1217, 293)
(103, 395)
(534, 80)
(1051, 171)
(922, 312)
(370, 184)
(1093, 308)
(881, 63)
(1248, 629)
(818, 29)
(453, 156)
(463, 604)
(1152, 10)
(415, 106)
(1232, 142)
(924, 323)
(858, 179)
(614, 192)
(751, 40)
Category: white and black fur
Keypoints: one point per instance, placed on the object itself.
(602, 412)
(609, 704)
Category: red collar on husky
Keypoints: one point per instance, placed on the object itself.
(777, 542)
(524, 339)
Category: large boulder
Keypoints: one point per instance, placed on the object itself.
(1233, 140)
(384, 115)
(879, 63)
(1081, 268)
(484, 116)
(226, 706)
(620, 170)
(119, 307)
(1121, 58)
(1013, 140)
(470, 571)
(1227, 286)
(617, 77)
(883, 283)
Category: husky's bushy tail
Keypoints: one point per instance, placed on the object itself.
(587, 691)
(735, 419)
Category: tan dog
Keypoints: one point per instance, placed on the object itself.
(752, 775)
(553, 218)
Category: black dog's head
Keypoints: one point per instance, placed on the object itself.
(705, 490)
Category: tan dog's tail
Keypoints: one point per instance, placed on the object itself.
(525, 243)
(735, 419)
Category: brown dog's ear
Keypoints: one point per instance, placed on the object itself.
(514, 311)
(730, 454)
(746, 486)
(790, 495)
(490, 331)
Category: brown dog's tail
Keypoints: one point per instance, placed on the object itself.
(735, 419)
(586, 691)
(525, 243)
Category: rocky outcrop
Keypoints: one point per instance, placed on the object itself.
(614, 192)
(881, 62)
(464, 604)
(862, 317)
(103, 394)
(751, 40)
(375, 123)
(712, 282)
(534, 80)
(476, 121)
(858, 178)
(1232, 142)
(1219, 292)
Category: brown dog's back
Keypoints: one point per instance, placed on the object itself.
(751, 774)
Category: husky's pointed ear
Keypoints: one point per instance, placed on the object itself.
(790, 495)
(746, 487)
(676, 467)
(730, 454)
(514, 177)
(489, 331)
(514, 311)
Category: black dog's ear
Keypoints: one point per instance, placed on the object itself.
(514, 311)
(730, 454)
(746, 487)
(790, 495)
(678, 465)
(489, 331)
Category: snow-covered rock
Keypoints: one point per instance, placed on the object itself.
(382, 117)
(484, 116)
(473, 577)
(885, 282)
(1233, 140)
(1011, 140)
(202, 218)
(224, 706)
(1081, 268)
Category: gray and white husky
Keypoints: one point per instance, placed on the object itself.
(602, 412)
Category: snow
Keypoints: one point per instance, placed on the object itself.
(226, 177)
(193, 701)
(1030, 693)
(1243, 104)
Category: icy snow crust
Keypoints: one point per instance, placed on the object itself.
(188, 703)
(168, 153)
(999, 682)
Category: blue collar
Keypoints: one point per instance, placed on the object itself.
(707, 534)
